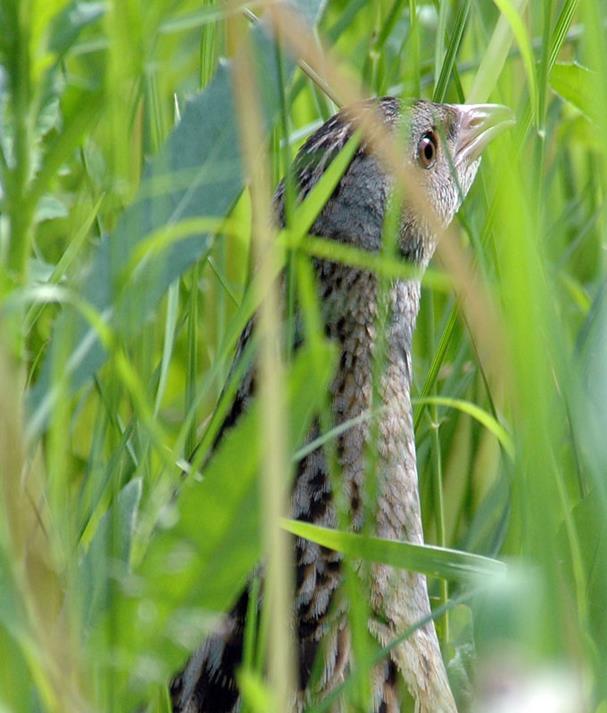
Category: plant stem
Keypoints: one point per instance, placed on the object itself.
(19, 208)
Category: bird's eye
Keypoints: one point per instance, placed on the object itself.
(427, 149)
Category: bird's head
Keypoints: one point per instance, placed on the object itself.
(445, 145)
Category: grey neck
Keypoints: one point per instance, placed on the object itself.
(353, 315)
(399, 598)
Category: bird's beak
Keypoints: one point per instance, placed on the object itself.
(479, 124)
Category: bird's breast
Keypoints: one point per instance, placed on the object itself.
(370, 395)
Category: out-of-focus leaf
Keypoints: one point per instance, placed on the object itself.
(513, 11)
(199, 559)
(110, 549)
(578, 130)
(71, 21)
(39, 16)
(196, 173)
(461, 654)
(49, 208)
(498, 614)
(592, 419)
(574, 83)
(591, 529)
(40, 271)
(17, 695)
(255, 694)
(11, 605)
(493, 58)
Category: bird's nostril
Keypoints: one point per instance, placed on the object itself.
(476, 122)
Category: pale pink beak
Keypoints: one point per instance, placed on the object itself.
(479, 124)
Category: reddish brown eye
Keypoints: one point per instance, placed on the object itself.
(427, 149)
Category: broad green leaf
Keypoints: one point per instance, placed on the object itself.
(427, 559)
(196, 173)
(575, 84)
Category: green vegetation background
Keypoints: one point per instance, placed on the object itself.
(125, 241)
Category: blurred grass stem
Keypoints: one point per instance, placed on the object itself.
(275, 465)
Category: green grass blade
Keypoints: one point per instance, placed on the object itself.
(429, 560)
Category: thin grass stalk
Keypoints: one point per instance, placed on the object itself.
(449, 68)
(270, 373)
(438, 510)
(193, 360)
(372, 60)
(443, 9)
(47, 641)
(20, 210)
(494, 58)
(415, 42)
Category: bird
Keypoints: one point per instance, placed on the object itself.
(443, 144)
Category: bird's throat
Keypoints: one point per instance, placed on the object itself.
(378, 471)
(373, 326)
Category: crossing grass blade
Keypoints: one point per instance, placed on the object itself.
(432, 561)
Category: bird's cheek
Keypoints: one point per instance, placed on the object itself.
(467, 175)
(445, 199)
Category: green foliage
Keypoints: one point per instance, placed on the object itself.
(432, 561)
(126, 279)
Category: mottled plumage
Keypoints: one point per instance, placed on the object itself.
(440, 137)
